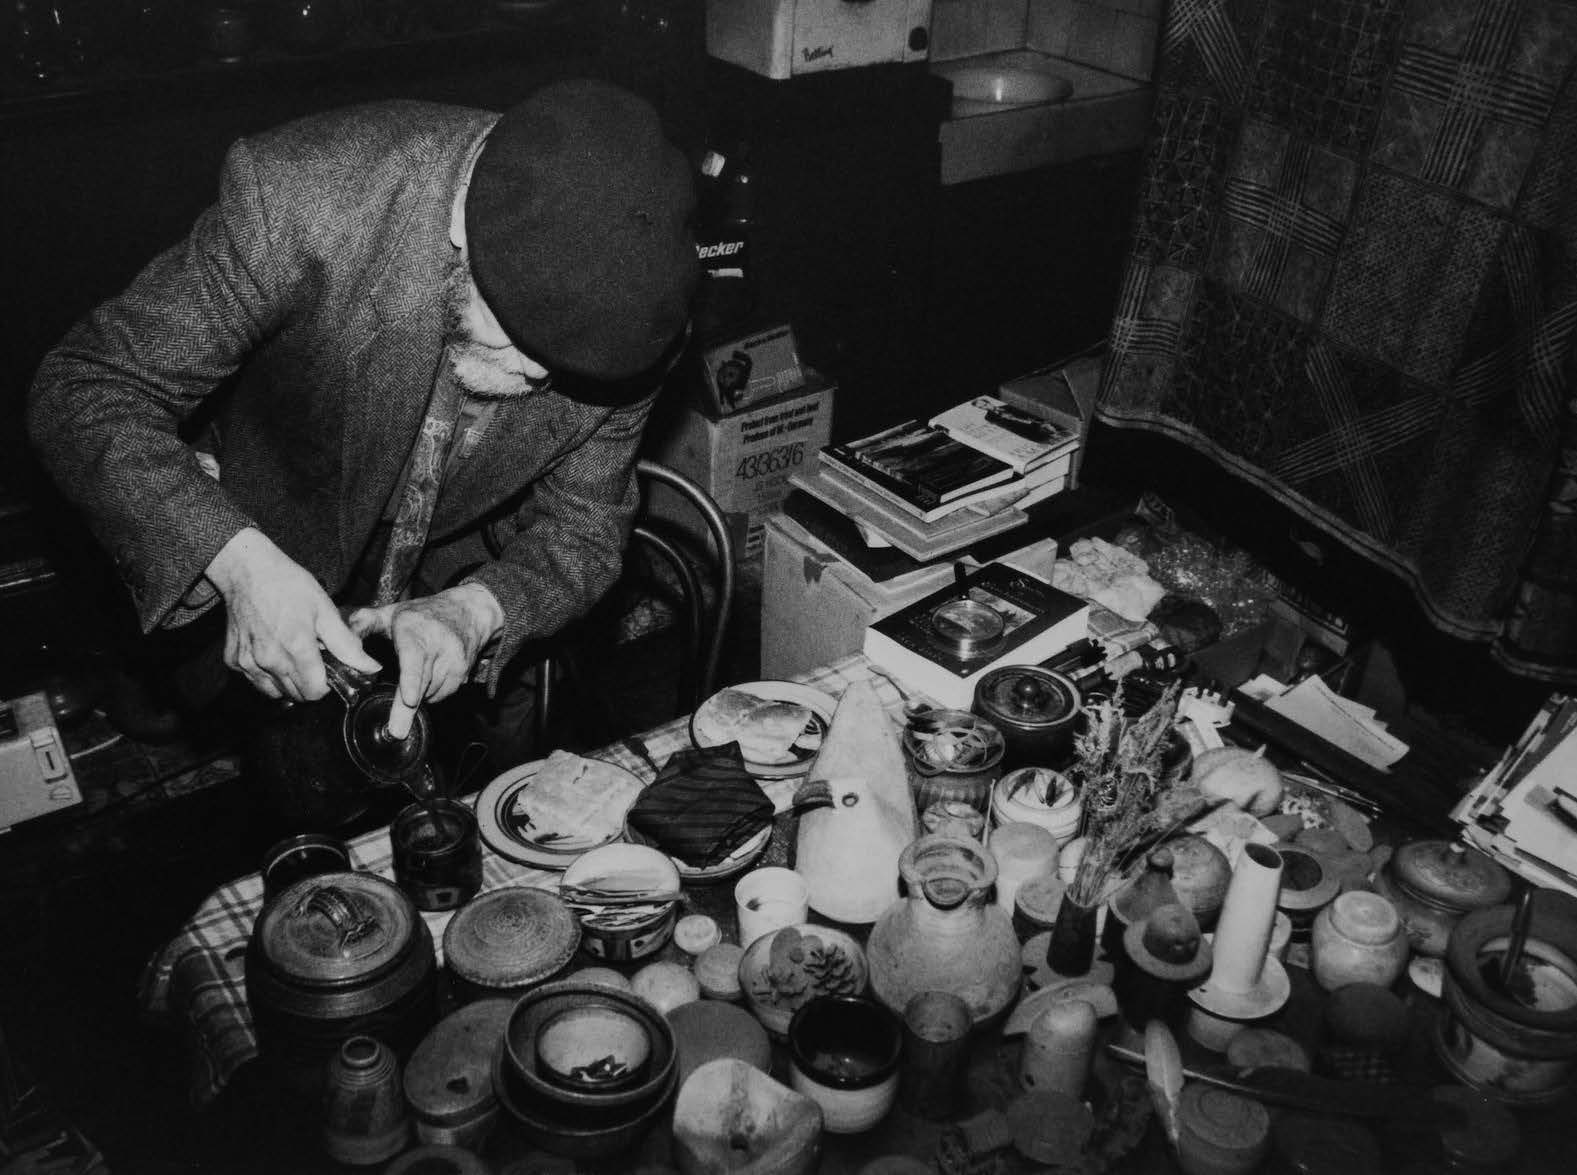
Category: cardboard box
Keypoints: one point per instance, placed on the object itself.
(744, 460)
(815, 605)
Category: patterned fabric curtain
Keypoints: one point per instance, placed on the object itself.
(1353, 283)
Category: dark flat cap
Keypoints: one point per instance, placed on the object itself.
(578, 226)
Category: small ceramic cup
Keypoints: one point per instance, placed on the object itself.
(844, 1053)
(769, 899)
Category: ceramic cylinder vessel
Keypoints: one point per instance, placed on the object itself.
(364, 1120)
(1022, 852)
(844, 1053)
(1358, 938)
(952, 755)
(1247, 916)
(946, 935)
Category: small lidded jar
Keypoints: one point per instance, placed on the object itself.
(1433, 883)
(1037, 710)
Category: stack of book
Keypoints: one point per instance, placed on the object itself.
(1523, 812)
(930, 487)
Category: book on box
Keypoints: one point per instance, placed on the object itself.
(996, 615)
(922, 465)
(1009, 434)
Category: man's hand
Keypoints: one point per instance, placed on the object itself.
(437, 639)
(277, 617)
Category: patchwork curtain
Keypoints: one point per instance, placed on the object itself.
(1353, 283)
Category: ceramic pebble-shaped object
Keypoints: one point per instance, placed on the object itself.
(695, 933)
(717, 971)
(605, 976)
(665, 985)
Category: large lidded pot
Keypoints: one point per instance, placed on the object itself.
(335, 956)
(1434, 883)
(1037, 710)
(945, 935)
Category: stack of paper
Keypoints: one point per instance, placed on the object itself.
(1524, 811)
(1350, 725)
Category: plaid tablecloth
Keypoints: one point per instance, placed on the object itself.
(197, 980)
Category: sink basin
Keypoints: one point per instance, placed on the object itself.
(988, 86)
(1018, 109)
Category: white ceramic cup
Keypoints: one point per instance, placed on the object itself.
(768, 899)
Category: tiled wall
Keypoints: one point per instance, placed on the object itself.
(1115, 35)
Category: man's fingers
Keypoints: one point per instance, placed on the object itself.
(344, 639)
(400, 718)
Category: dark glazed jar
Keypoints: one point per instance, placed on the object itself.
(1037, 710)
(335, 956)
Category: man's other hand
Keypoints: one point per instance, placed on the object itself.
(277, 618)
(437, 639)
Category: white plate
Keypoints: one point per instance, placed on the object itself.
(707, 730)
(498, 818)
(736, 862)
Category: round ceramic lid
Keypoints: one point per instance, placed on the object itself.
(1027, 697)
(449, 1077)
(1451, 874)
(1234, 1124)
(337, 928)
(511, 937)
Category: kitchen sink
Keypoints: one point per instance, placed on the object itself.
(1018, 109)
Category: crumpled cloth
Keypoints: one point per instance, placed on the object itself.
(702, 806)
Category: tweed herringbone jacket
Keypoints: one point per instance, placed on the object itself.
(317, 279)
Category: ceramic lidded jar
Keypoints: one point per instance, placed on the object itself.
(1433, 883)
(945, 935)
(1358, 938)
(952, 755)
(1037, 711)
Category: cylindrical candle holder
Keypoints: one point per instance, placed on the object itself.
(1247, 916)
(1058, 1048)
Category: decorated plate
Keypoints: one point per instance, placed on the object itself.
(779, 725)
(736, 862)
(549, 812)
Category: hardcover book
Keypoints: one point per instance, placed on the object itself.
(923, 465)
(945, 643)
(999, 495)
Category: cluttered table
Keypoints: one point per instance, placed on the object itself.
(1386, 1060)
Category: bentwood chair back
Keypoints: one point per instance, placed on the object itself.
(702, 579)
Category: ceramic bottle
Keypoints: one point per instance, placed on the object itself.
(945, 935)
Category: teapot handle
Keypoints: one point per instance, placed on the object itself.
(348, 683)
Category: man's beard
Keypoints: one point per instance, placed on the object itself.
(487, 373)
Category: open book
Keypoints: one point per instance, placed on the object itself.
(1009, 434)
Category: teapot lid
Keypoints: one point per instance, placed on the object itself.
(1027, 696)
(1451, 874)
(336, 928)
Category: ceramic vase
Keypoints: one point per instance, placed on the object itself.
(1247, 916)
(364, 1120)
(946, 935)
(1071, 950)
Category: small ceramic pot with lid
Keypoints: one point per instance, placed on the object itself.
(1037, 710)
(335, 956)
(1433, 883)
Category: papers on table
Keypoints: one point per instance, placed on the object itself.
(1524, 811)
(1340, 721)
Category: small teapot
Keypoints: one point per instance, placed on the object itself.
(319, 762)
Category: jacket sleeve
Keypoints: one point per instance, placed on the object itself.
(567, 542)
(106, 403)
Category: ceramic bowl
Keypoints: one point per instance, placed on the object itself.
(577, 1132)
(1041, 796)
(616, 934)
(774, 992)
(617, 1019)
(593, 1048)
(843, 1053)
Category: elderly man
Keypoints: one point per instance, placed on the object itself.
(428, 321)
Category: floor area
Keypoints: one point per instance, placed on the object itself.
(86, 897)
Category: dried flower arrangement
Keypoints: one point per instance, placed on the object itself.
(1118, 766)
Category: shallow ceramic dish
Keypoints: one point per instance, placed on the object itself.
(619, 931)
(732, 865)
(530, 1073)
(712, 726)
(511, 832)
(775, 989)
